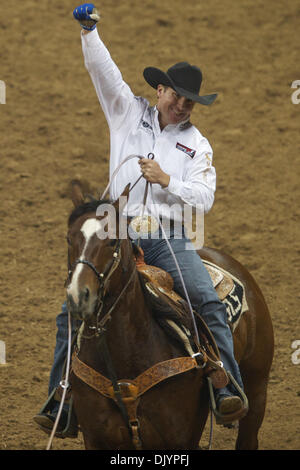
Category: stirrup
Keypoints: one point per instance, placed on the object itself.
(48, 405)
(54, 398)
(228, 419)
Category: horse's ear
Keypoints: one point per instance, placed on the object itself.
(126, 190)
(77, 196)
(123, 199)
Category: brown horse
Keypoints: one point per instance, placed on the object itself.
(123, 350)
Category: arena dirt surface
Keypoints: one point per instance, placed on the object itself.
(53, 130)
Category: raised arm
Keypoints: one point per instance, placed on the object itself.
(115, 96)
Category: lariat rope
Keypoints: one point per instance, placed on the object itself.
(64, 383)
(116, 171)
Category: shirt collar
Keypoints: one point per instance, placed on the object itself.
(181, 125)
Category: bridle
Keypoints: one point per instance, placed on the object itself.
(99, 276)
(103, 278)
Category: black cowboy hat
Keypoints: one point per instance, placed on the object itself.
(184, 78)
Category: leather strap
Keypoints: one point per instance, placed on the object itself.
(132, 390)
(137, 387)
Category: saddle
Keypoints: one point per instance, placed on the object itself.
(222, 282)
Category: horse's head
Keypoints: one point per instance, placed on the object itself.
(94, 253)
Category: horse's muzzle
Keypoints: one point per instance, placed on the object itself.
(84, 307)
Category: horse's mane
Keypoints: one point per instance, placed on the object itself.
(86, 207)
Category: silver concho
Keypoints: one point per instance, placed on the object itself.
(143, 224)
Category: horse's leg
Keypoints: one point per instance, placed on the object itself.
(89, 444)
(249, 426)
(255, 372)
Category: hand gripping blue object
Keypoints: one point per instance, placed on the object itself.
(87, 16)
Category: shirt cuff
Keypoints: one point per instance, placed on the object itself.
(174, 186)
(92, 38)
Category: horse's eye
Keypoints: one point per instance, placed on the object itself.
(69, 241)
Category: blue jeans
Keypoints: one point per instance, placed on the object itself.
(61, 347)
(200, 289)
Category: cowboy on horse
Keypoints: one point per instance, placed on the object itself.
(180, 173)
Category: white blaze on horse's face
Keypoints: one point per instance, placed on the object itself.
(89, 228)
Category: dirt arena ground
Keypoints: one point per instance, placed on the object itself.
(53, 130)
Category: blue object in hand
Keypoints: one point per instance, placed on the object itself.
(82, 14)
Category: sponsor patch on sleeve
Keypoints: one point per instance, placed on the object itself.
(190, 152)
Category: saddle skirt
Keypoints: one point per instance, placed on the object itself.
(229, 289)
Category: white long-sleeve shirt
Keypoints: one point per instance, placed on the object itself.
(180, 150)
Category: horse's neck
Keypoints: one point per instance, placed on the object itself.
(134, 339)
(132, 317)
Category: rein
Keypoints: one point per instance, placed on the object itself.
(99, 328)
